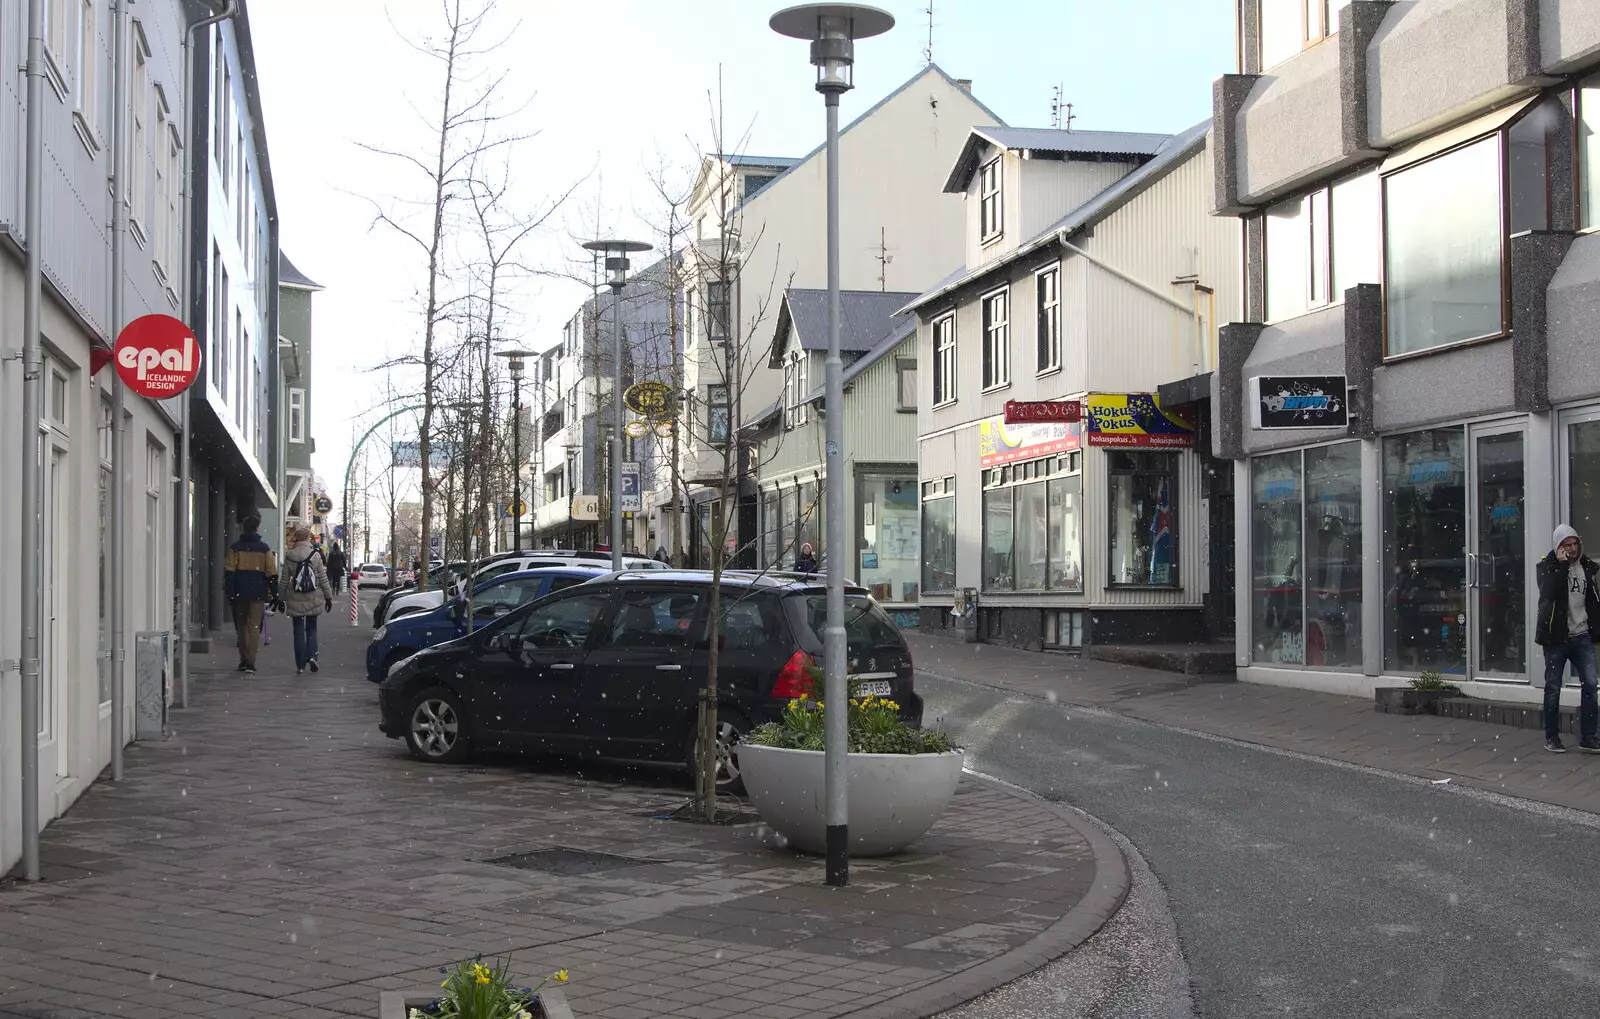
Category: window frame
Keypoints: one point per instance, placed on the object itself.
(1328, 22)
(139, 154)
(725, 302)
(297, 414)
(931, 490)
(55, 45)
(902, 367)
(991, 200)
(711, 407)
(996, 339)
(1175, 479)
(945, 390)
(86, 96)
(1047, 340)
(1592, 83)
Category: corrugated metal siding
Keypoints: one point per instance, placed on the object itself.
(1165, 232)
(1050, 188)
(11, 148)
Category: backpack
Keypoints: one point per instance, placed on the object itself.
(305, 578)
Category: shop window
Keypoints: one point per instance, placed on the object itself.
(887, 536)
(1277, 597)
(1583, 510)
(811, 517)
(1032, 536)
(997, 563)
(1424, 533)
(1143, 518)
(769, 529)
(788, 525)
(938, 535)
(1064, 495)
(1589, 154)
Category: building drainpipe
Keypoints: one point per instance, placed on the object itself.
(32, 537)
(119, 401)
(185, 565)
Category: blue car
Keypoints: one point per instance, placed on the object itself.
(403, 637)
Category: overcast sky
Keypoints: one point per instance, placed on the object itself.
(610, 89)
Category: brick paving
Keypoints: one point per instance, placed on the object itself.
(278, 856)
(1496, 758)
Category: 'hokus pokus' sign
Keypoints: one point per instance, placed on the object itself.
(157, 356)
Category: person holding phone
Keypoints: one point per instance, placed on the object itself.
(1569, 608)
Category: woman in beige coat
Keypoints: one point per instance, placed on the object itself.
(305, 594)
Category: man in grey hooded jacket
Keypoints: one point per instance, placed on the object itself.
(1569, 612)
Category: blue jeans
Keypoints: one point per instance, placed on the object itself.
(1580, 652)
(305, 642)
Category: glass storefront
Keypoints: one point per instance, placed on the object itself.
(1583, 461)
(811, 518)
(1032, 540)
(1424, 542)
(1497, 561)
(939, 534)
(887, 535)
(1143, 518)
(1305, 535)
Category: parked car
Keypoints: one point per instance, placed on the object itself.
(444, 579)
(422, 601)
(612, 668)
(372, 575)
(404, 637)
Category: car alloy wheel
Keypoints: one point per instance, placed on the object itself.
(731, 728)
(436, 728)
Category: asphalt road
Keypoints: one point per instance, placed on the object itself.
(1301, 887)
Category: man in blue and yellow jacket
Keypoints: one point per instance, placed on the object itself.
(251, 576)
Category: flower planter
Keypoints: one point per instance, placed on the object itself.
(894, 798)
(398, 1004)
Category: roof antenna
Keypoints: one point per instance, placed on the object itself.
(1070, 117)
(884, 258)
(1055, 108)
(927, 52)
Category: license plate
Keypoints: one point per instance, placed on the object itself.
(876, 687)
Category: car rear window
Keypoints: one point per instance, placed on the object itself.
(866, 625)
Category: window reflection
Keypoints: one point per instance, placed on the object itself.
(1333, 554)
(1589, 154)
(1424, 536)
(1275, 519)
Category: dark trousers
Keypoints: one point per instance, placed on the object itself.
(1579, 651)
(305, 639)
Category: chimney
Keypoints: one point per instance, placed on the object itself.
(965, 85)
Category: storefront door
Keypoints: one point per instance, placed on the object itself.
(1497, 566)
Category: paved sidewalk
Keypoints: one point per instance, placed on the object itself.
(279, 857)
(1493, 757)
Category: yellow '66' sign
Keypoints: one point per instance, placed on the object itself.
(652, 399)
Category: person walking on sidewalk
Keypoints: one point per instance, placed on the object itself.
(1569, 608)
(336, 568)
(306, 595)
(250, 576)
(806, 561)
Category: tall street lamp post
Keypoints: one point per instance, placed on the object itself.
(616, 253)
(832, 30)
(516, 357)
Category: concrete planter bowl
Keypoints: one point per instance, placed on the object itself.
(398, 1004)
(894, 798)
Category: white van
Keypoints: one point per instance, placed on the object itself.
(422, 601)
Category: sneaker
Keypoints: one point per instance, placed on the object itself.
(299, 670)
(249, 669)
(1590, 745)
(313, 664)
(1554, 745)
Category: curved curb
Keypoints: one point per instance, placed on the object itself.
(1105, 896)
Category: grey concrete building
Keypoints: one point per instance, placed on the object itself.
(297, 493)
(1419, 185)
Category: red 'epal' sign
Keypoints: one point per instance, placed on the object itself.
(157, 356)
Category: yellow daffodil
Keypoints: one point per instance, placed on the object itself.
(561, 976)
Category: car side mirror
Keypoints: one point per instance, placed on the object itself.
(458, 610)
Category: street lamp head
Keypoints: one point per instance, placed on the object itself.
(516, 356)
(832, 30)
(616, 252)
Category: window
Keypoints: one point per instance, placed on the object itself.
(654, 619)
(555, 486)
(223, 338)
(717, 311)
(56, 13)
(1144, 526)
(297, 415)
(1047, 304)
(747, 624)
(755, 182)
(939, 534)
(225, 114)
(1424, 532)
(161, 232)
(253, 418)
(991, 209)
(218, 96)
(796, 386)
(1443, 250)
(886, 536)
(769, 528)
(1320, 244)
(718, 414)
(240, 199)
(905, 386)
(1289, 26)
(1032, 535)
(502, 598)
(174, 200)
(1530, 144)
(565, 623)
(58, 399)
(997, 340)
(944, 360)
(239, 373)
(1589, 154)
(87, 70)
(809, 523)
(139, 153)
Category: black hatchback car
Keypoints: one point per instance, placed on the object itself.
(612, 668)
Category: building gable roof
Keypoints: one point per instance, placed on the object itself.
(1173, 153)
(864, 317)
(1126, 144)
(289, 276)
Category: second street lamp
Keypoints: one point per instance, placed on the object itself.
(832, 30)
(516, 357)
(616, 253)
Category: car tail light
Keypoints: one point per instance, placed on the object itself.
(792, 678)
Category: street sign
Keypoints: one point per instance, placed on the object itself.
(629, 498)
(324, 505)
(157, 356)
(636, 429)
(518, 509)
(338, 532)
(433, 541)
(1299, 401)
(1025, 412)
(652, 399)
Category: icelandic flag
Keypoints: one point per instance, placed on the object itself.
(1161, 539)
